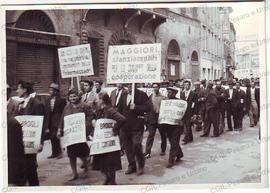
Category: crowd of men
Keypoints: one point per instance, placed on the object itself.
(209, 103)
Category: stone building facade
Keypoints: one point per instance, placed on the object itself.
(192, 47)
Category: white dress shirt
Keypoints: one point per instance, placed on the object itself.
(230, 93)
(128, 99)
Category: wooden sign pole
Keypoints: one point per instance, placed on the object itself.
(133, 93)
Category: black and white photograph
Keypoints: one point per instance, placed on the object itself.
(145, 96)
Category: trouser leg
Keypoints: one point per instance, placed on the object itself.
(229, 120)
(129, 149)
(207, 124)
(137, 137)
(173, 135)
(214, 120)
(151, 136)
(163, 138)
(31, 169)
(188, 131)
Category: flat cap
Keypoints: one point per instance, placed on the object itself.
(174, 89)
(54, 86)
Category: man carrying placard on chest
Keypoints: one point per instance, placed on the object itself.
(171, 113)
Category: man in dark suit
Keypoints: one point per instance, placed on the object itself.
(253, 103)
(231, 99)
(189, 96)
(241, 106)
(132, 131)
(152, 121)
(219, 90)
(173, 132)
(116, 94)
(30, 106)
(15, 149)
(54, 107)
(211, 111)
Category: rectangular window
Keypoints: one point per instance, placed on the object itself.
(172, 69)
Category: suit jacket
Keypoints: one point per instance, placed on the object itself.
(52, 118)
(242, 99)
(34, 107)
(231, 103)
(135, 120)
(113, 96)
(211, 101)
(12, 107)
(191, 101)
(201, 98)
(248, 98)
(91, 100)
(220, 98)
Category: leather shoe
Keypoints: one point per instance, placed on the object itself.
(147, 155)
(51, 157)
(178, 158)
(162, 153)
(215, 136)
(74, 178)
(130, 171)
(140, 171)
(185, 142)
(170, 164)
(203, 135)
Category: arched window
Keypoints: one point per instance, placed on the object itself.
(194, 56)
(35, 20)
(173, 54)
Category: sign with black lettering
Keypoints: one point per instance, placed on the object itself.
(32, 128)
(138, 63)
(74, 129)
(172, 111)
(76, 61)
(104, 141)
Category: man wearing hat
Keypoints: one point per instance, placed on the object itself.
(173, 132)
(54, 106)
(231, 99)
(211, 111)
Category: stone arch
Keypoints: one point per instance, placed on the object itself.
(122, 37)
(173, 60)
(195, 65)
(35, 20)
(173, 48)
(194, 56)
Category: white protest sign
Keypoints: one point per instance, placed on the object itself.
(242, 73)
(137, 63)
(104, 141)
(74, 129)
(32, 129)
(75, 61)
(172, 111)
